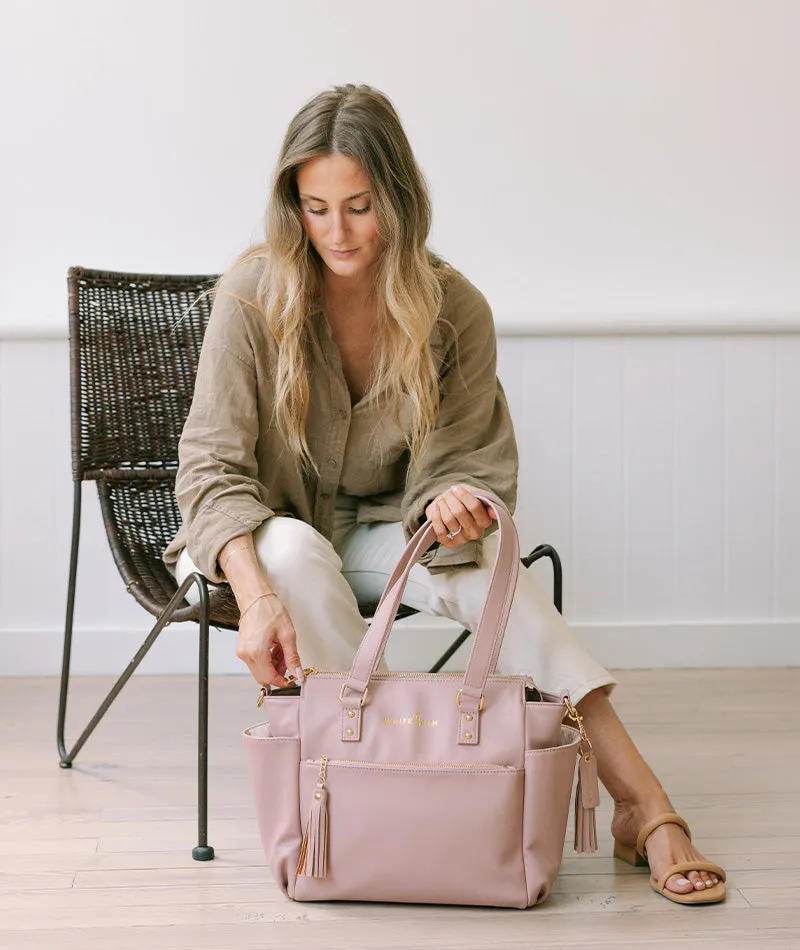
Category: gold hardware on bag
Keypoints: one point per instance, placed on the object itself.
(290, 682)
(458, 700)
(585, 746)
(363, 698)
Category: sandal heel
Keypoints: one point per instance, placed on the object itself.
(629, 854)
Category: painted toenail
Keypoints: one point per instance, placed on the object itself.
(699, 884)
(683, 882)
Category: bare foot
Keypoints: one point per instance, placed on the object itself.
(667, 845)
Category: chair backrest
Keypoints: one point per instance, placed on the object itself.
(135, 341)
(134, 345)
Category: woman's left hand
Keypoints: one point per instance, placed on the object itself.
(458, 512)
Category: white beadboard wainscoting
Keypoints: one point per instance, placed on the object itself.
(662, 463)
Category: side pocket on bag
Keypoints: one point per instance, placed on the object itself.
(283, 715)
(548, 785)
(274, 763)
(543, 724)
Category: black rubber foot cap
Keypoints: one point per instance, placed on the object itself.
(65, 765)
(203, 852)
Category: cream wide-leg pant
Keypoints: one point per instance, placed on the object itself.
(321, 584)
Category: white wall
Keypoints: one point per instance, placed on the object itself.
(586, 158)
(618, 178)
(663, 469)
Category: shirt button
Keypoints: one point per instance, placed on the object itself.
(325, 494)
(332, 462)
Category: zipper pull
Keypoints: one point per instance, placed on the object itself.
(313, 861)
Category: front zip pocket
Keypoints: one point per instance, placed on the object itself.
(429, 766)
(415, 832)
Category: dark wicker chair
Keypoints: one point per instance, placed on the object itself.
(134, 345)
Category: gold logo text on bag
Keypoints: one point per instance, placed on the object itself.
(415, 720)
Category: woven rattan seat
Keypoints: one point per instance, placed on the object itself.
(141, 517)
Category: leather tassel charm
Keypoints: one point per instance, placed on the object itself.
(587, 792)
(313, 861)
(587, 798)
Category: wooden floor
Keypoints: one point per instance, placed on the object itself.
(99, 856)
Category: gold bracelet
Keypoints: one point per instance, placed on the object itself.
(260, 597)
(242, 547)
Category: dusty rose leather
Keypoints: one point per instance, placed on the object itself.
(447, 788)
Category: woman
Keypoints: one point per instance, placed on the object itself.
(346, 391)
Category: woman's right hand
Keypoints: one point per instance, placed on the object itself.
(267, 639)
(268, 642)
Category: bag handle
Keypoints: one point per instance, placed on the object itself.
(491, 626)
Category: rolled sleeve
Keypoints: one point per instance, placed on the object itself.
(219, 493)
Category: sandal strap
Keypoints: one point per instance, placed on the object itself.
(685, 866)
(667, 818)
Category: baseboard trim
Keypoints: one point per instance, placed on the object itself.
(416, 644)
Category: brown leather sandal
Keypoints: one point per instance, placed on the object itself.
(638, 858)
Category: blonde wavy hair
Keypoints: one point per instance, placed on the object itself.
(361, 123)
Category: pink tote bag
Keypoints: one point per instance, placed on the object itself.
(428, 788)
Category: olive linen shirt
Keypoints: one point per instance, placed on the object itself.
(235, 469)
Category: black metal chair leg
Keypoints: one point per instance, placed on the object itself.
(464, 635)
(64, 761)
(202, 851)
(197, 579)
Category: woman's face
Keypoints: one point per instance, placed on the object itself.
(338, 214)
